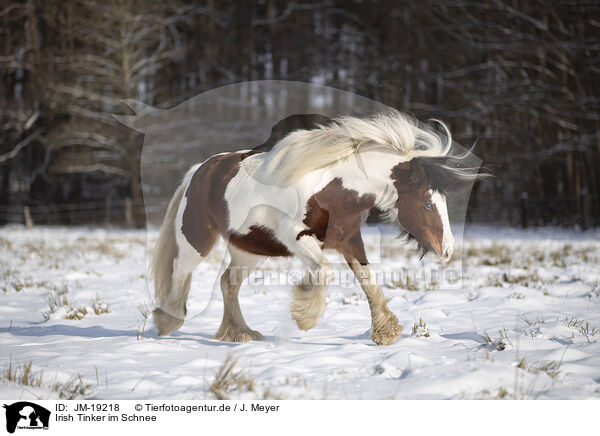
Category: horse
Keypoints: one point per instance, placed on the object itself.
(308, 189)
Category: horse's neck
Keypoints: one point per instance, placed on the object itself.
(370, 171)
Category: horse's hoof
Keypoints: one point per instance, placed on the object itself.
(165, 323)
(232, 334)
(308, 306)
(388, 333)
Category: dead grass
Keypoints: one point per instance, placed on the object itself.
(504, 336)
(228, 380)
(22, 374)
(74, 388)
(491, 256)
(503, 254)
(530, 323)
(58, 298)
(99, 307)
(420, 329)
(497, 344)
(502, 393)
(106, 246)
(505, 279)
(140, 331)
(408, 284)
(551, 368)
(144, 310)
(5, 244)
(76, 312)
(581, 326)
(12, 282)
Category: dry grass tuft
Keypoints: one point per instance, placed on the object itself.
(527, 321)
(22, 374)
(228, 380)
(581, 326)
(497, 344)
(76, 312)
(502, 393)
(420, 329)
(74, 388)
(10, 280)
(144, 310)
(58, 298)
(140, 331)
(99, 307)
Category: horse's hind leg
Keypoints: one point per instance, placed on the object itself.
(233, 327)
(169, 316)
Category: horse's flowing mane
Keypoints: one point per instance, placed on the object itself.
(303, 151)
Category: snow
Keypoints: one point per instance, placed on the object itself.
(519, 325)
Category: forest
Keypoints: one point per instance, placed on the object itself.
(519, 79)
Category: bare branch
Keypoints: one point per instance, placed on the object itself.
(20, 146)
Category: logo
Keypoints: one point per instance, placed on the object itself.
(26, 415)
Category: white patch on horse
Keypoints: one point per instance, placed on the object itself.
(369, 172)
(250, 202)
(448, 239)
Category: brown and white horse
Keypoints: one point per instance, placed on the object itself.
(306, 192)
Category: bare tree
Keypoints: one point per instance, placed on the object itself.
(519, 77)
(116, 50)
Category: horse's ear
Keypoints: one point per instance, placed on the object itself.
(417, 173)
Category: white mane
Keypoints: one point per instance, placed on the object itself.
(303, 151)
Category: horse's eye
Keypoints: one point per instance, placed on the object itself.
(428, 206)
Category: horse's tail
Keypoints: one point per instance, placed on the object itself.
(166, 249)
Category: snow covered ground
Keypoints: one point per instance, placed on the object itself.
(524, 324)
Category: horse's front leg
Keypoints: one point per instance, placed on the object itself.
(309, 297)
(385, 329)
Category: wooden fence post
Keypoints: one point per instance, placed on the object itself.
(584, 207)
(524, 209)
(28, 219)
(108, 209)
(128, 212)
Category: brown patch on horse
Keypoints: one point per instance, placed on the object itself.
(334, 216)
(206, 209)
(249, 153)
(425, 225)
(260, 240)
(206, 215)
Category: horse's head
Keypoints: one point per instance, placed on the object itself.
(421, 209)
